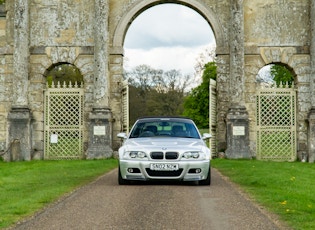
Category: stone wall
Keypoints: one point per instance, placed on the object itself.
(41, 59)
(90, 35)
(6, 62)
(279, 32)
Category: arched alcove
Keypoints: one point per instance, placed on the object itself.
(63, 72)
(276, 102)
(275, 74)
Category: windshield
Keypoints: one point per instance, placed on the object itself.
(164, 128)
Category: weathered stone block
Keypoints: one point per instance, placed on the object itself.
(237, 133)
(100, 134)
(20, 133)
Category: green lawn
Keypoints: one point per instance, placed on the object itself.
(26, 187)
(286, 189)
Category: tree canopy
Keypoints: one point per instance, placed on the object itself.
(64, 72)
(154, 92)
(281, 74)
(196, 104)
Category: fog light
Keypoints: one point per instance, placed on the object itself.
(195, 171)
(133, 170)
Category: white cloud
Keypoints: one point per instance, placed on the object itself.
(167, 36)
(166, 58)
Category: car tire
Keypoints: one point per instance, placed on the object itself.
(121, 181)
(208, 180)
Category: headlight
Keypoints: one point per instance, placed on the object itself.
(135, 154)
(141, 155)
(192, 155)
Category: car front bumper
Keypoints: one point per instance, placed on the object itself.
(187, 170)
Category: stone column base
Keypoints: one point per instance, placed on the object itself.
(237, 133)
(19, 143)
(311, 136)
(100, 134)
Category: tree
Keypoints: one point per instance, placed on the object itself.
(196, 104)
(281, 74)
(208, 55)
(64, 72)
(155, 92)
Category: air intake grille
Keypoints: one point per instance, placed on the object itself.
(164, 173)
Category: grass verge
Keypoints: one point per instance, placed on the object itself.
(26, 187)
(284, 188)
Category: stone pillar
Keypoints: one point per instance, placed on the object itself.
(101, 79)
(237, 50)
(237, 116)
(311, 136)
(19, 117)
(100, 143)
(21, 52)
(311, 117)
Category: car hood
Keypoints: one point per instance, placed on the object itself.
(169, 143)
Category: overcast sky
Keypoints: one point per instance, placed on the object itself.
(167, 36)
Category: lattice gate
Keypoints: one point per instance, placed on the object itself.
(276, 124)
(213, 115)
(125, 106)
(63, 138)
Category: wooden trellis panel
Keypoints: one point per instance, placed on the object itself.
(213, 115)
(276, 124)
(125, 106)
(63, 122)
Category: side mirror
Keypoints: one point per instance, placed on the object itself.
(206, 136)
(122, 135)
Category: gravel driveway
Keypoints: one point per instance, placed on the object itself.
(104, 204)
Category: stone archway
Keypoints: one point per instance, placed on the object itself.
(117, 49)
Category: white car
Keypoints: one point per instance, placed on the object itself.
(164, 148)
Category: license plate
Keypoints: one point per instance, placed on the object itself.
(164, 167)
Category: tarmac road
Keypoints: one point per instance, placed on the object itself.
(104, 204)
